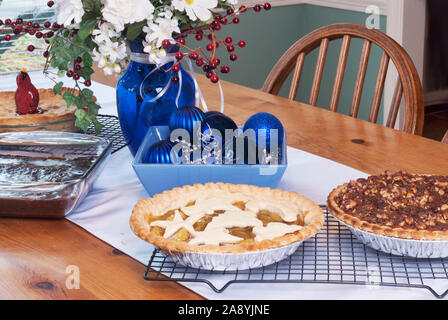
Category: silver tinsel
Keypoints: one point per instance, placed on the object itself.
(209, 150)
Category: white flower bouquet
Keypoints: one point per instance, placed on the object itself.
(100, 30)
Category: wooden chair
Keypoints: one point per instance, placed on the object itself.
(408, 83)
(445, 138)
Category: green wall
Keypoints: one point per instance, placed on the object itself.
(269, 34)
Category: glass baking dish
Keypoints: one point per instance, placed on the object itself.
(46, 174)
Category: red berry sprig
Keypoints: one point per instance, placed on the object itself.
(14, 29)
(20, 27)
(45, 31)
(205, 56)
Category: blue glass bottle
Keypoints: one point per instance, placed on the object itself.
(138, 86)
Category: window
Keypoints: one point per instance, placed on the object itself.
(14, 55)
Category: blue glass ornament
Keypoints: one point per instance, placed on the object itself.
(135, 111)
(161, 152)
(211, 112)
(217, 121)
(186, 118)
(240, 150)
(267, 122)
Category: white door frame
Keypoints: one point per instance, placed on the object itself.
(406, 24)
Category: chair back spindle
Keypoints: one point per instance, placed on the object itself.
(359, 84)
(342, 63)
(445, 138)
(296, 76)
(408, 83)
(379, 88)
(319, 71)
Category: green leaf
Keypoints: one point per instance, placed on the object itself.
(87, 27)
(80, 113)
(64, 53)
(82, 120)
(134, 30)
(56, 43)
(87, 59)
(69, 98)
(76, 51)
(61, 56)
(57, 88)
(53, 63)
(87, 94)
(89, 44)
(80, 102)
(82, 123)
(91, 5)
(84, 44)
(86, 72)
(94, 108)
(98, 126)
(87, 110)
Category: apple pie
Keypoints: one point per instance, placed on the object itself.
(225, 218)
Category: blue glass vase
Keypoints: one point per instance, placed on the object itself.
(137, 89)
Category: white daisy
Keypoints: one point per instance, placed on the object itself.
(105, 32)
(161, 29)
(107, 69)
(114, 51)
(156, 55)
(196, 9)
(117, 67)
(98, 57)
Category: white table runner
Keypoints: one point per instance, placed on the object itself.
(105, 213)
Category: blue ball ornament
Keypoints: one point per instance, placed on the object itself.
(219, 122)
(161, 152)
(268, 122)
(212, 112)
(186, 118)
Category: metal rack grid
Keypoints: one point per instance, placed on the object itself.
(111, 131)
(332, 256)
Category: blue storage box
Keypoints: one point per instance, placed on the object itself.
(159, 177)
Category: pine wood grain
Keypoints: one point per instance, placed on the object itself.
(35, 253)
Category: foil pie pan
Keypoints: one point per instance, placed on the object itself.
(231, 261)
(402, 247)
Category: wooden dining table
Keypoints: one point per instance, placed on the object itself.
(34, 253)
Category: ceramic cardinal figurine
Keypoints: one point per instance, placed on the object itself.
(27, 96)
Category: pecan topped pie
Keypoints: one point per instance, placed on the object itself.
(401, 205)
(225, 218)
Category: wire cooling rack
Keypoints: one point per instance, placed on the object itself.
(333, 256)
(111, 131)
